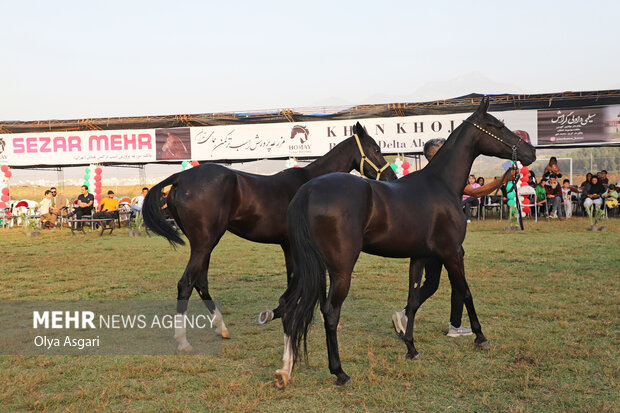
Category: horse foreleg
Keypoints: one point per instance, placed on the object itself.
(456, 272)
(413, 303)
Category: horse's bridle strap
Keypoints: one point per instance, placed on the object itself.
(365, 159)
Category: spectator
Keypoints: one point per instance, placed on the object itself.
(587, 181)
(531, 181)
(611, 197)
(553, 194)
(595, 191)
(470, 201)
(109, 204)
(480, 181)
(567, 198)
(136, 204)
(47, 215)
(552, 168)
(85, 203)
(604, 180)
(59, 201)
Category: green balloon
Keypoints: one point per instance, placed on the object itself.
(509, 186)
(393, 166)
(86, 177)
(512, 203)
(87, 170)
(511, 195)
(184, 164)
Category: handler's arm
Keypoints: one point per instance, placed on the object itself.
(488, 188)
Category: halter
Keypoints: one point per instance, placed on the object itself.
(365, 159)
(514, 160)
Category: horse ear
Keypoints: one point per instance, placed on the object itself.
(484, 105)
(358, 129)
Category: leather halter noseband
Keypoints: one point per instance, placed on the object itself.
(365, 159)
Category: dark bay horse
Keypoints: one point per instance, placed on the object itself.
(333, 218)
(207, 200)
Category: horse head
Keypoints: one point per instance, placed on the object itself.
(495, 139)
(370, 160)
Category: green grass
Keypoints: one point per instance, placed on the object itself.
(547, 299)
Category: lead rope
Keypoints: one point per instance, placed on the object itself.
(365, 159)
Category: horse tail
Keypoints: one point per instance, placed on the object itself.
(153, 215)
(308, 281)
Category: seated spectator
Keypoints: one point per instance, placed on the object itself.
(587, 181)
(531, 181)
(85, 203)
(567, 198)
(108, 206)
(59, 201)
(136, 204)
(603, 179)
(470, 201)
(47, 216)
(552, 168)
(611, 197)
(593, 196)
(553, 196)
(480, 181)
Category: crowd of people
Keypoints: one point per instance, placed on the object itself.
(55, 204)
(556, 198)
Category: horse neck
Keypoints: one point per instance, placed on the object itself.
(339, 159)
(453, 162)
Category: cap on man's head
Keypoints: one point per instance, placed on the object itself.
(110, 192)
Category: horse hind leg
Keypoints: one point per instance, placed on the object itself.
(330, 308)
(202, 287)
(269, 315)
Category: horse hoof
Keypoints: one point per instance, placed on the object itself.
(483, 345)
(339, 327)
(415, 356)
(281, 379)
(265, 317)
(344, 381)
(224, 333)
(185, 348)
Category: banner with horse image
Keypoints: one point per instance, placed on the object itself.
(406, 134)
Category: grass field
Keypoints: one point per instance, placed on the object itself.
(548, 300)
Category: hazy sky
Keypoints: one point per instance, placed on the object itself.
(70, 59)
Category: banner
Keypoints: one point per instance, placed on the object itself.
(405, 134)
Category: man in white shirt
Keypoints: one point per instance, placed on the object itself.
(136, 204)
(46, 210)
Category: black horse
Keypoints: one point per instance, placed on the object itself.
(209, 199)
(335, 217)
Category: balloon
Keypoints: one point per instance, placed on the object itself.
(511, 195)
(398, 161)
(184, 164)
(4, 168)
(509, 186)
(86, 177)
(525, 170)
(5, 191)
(97, 178)
(98, 171)
(405, 165)
(194, 163)
(526, 201)
(526, 209)
(511, 202)
(98, 197)
(8, 174)
(393, 166)
(4, 198)
(2, 205)
(87, 170)
(406, 172)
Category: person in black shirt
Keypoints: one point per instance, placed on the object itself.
(594, 194)
(85, 204)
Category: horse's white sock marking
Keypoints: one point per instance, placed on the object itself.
(179, 333)
(219, 322)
